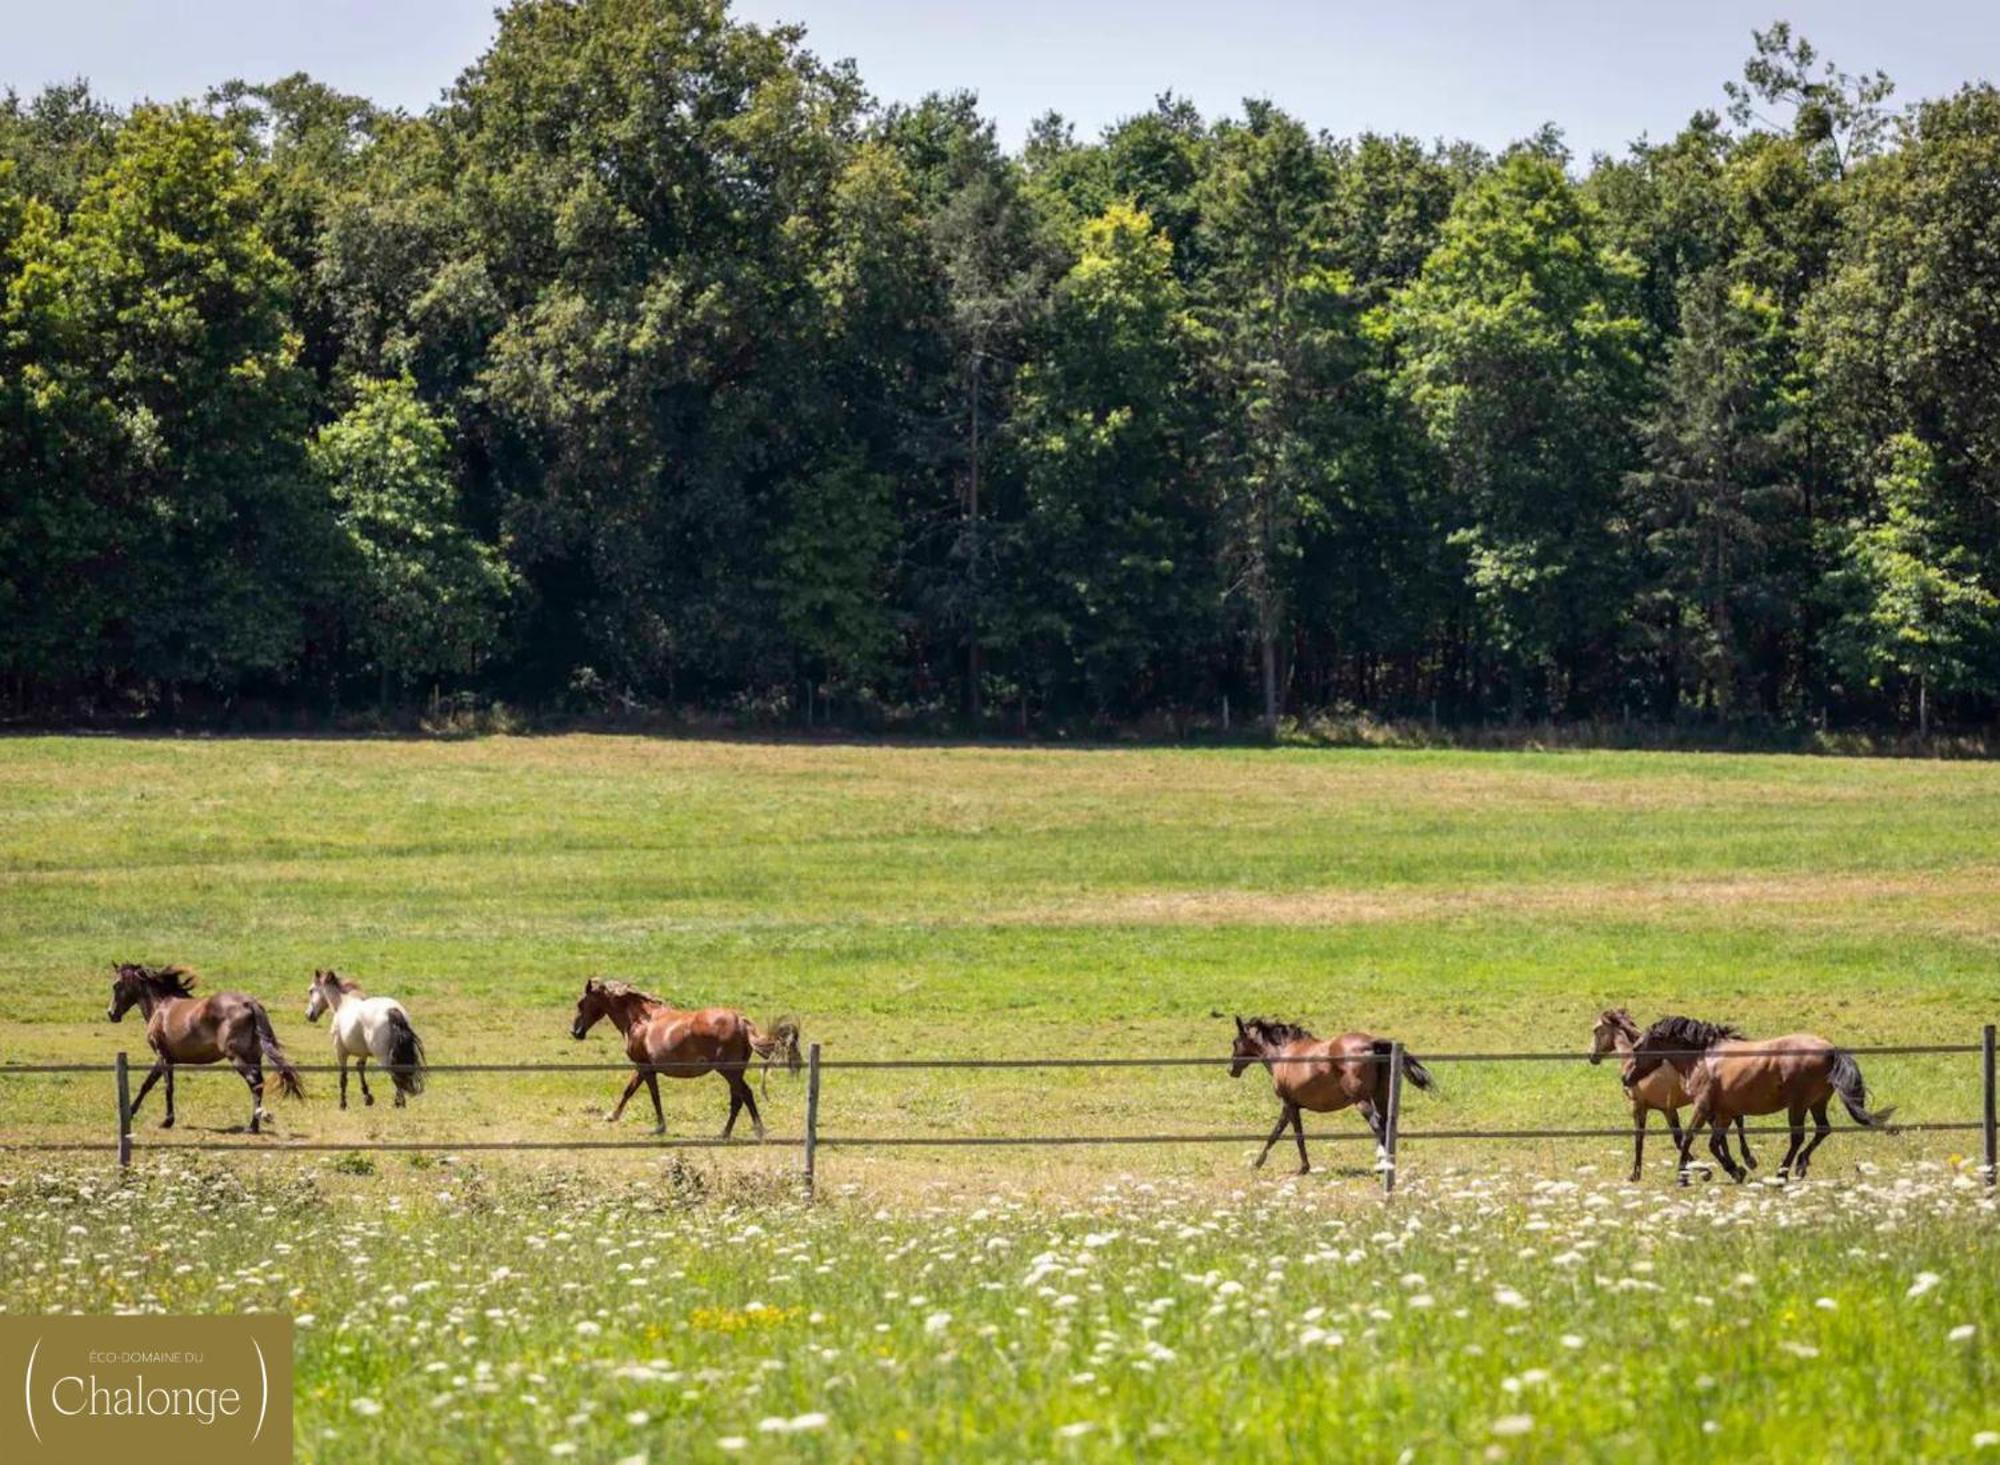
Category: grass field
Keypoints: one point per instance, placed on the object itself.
(982, 902)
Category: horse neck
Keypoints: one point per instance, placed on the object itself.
(628, 1008)
(332, 993)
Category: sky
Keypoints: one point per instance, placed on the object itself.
(1491, 71)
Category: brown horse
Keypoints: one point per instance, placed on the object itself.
(184, 1028)
(1324, 1075)
(685, 1044)
(1728, 1076)
(1661, 1089)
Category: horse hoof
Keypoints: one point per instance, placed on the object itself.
(610, 1118)
(659, 1129)
(369, 1100)
(1633, 1178)
(1303, 1170)
(168, 1122)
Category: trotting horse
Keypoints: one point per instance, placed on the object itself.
(367, 1027)
(685, 1044)
(1661, 1089)
(184, 1028)
(1728, 1076)
(1323, 1074)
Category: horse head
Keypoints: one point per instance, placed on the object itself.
(593, 1005)
(1612, 1024)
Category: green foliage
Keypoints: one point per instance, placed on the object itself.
(1915, 611)
(1520, 354)
(415, 594)
(725, 379)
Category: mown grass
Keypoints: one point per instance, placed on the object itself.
(975, 901)
(1476, 1317)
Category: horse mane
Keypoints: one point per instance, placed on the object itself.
(167, 981)
(1271, 1030)
(626, 989)
(1623, 1020)
(1685, 1033)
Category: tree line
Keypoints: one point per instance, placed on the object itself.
(660, 365)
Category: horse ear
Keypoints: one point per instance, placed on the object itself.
(593, 984)
(1239, 1023)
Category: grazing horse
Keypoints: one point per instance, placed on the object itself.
(1661, 1089)
(1324, 1075)
(685, 1044)
(1729, 1076)
(184, 1028)
(368, 1027)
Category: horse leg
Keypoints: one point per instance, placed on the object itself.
(1821, 1129)
(1743, 1144)
(361, 1072)
(152, 1078)
(638, 1077)
(1284, 1118)
(1299, 1134)
(253, 1076)
(750, 1104)
(342, 1052)
(1718, 1146)
(1639, 1113)
(1684, 1139)
(1797, 1119)
(659, 1114)
(1674, 1124)
(168, 1122)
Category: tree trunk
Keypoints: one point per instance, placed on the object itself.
(1923, 709)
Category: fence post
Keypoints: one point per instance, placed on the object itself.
(124, 1112)
(1992, 1133)
(812, 1115)
(1393, 1119)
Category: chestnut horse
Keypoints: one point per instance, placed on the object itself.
(1661, 1089)
(1324, 1075)
(1731, 1076)
(184, 1028)
(685, 1044)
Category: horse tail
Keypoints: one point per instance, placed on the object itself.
(779, 1045)
(274, 1054)
(1413, 1069)
(406, 1054)
(1845, 1076)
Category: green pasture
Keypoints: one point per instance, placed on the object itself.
(912, 901)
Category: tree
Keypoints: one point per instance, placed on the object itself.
(415, 594)
(168, 419)
(1113, 566)
(1520, 354)
(1282, 328)
(1914, 609)
(1713, 490)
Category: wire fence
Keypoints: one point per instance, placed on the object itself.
(1390, 1135)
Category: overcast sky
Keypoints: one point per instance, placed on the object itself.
(1488, 70)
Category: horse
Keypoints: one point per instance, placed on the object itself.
(1350, 1070)
(1728, 1076)
(1661, 1089)
(660, 1038)
(368, 1027)
(184, 1028)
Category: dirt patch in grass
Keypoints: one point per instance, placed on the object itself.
(1964, 901)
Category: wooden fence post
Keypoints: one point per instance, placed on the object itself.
(1394, 1118)
(812, 1116)
(124, 1111)
(1992, 1132)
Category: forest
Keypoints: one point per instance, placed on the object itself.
(660, 366)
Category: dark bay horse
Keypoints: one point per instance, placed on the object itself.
(1661, 1089)
(1728, 1076)
(660, 1038)
(183, 1028)
(1321, 1074)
